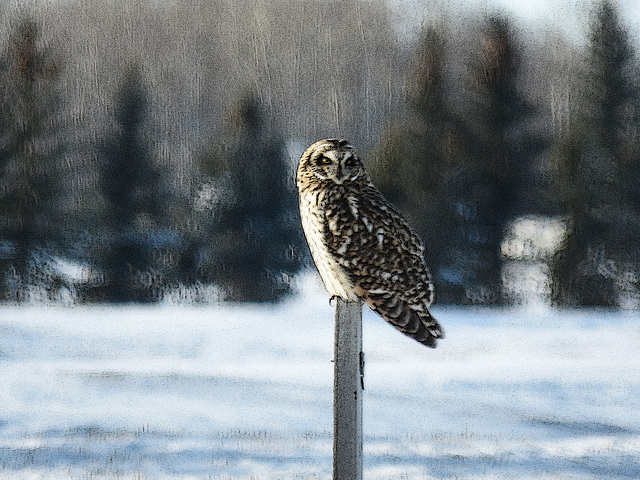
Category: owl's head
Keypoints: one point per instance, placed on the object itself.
(331, 160)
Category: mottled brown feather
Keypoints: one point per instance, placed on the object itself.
(368, 243)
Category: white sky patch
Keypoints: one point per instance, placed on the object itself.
(567, 16)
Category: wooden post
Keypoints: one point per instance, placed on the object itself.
(348, 384)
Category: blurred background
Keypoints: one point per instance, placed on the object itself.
(148, 149)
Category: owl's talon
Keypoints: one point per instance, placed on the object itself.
(333, 297)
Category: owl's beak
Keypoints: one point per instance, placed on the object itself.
(339, 177)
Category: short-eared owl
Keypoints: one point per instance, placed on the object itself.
(362, 245)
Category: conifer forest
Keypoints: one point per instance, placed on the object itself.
(148, 148)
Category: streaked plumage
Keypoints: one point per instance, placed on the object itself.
(361, 245)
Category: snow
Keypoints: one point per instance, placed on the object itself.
(232, 391)
(534, 237)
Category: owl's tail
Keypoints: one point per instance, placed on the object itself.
(413, 320)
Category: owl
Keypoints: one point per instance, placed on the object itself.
(362, 246)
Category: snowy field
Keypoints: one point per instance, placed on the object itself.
(244, 392)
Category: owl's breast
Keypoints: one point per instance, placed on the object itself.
(314, 223)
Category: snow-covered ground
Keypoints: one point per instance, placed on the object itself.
(244, 392)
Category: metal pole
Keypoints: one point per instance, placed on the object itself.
(348, 384)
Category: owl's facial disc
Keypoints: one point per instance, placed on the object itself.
(338, 165)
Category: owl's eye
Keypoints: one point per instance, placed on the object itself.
(349, 162)
(325, 160)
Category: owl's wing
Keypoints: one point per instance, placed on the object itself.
(384, 259)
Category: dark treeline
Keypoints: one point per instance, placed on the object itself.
(147, 148)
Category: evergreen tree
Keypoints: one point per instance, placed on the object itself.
(253, 234)
(598, 167)
(129, 184)
(501, 154)
(461, 178)
(29, 152)
(418, 165)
